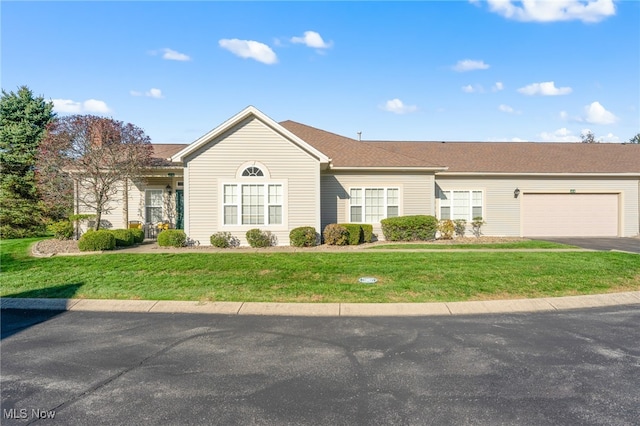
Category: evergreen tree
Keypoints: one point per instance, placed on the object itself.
(23, 120)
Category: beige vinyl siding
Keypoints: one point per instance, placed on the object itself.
(218, 162)
(416, 193)
(502, 212)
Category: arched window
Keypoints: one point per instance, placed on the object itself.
(252, 171)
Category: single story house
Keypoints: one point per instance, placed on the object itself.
(253, 172)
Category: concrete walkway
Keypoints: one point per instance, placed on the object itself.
(329, 309)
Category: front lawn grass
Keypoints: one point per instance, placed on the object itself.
(316, 276)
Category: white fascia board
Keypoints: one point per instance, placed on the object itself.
(529, 174)
(239, 117)
(390, 169)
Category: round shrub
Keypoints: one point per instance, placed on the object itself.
(336, 235)
(138, 235)
(62, 230)
(172, 238)
(304, 236)
(410, 228)
(258, 238)
(124, 237)
(224, 240)
(97, 241)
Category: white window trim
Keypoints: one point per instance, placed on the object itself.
(471, 205)
(253, 181)
(163, 206)
(362, 202)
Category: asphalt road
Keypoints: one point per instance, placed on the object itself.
(562, 368)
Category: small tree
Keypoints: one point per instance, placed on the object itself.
(101, 155)
(635, 139)
(588, 137)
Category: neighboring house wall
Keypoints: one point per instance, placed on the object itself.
(222, 160)
(502, 212)
(416, 192)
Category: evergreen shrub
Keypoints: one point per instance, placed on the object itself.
(172, 238)
(97, 241)
(410, 228)
(304, 236)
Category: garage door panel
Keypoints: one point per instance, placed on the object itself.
(564, 215)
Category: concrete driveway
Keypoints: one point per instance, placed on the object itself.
(599, 243)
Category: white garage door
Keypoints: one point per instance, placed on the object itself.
(570, 215)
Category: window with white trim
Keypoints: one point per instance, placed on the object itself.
(153, 201)
(371, 205)
(457, 204)
(252, 204)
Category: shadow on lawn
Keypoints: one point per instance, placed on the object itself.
(15, 320)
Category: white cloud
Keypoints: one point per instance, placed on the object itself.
(468, 89)
(172, 55)
(508, 109)
(469, 65)
(548, 88)
(497, 87)
(249, 49)
(555, 10)
(560, 135)
(396, 106)
(312, 39)
(610, 137)
(68, 106)
(597, 114)
(151, 93)
(154, 93)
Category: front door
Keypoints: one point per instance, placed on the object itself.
(179, 209)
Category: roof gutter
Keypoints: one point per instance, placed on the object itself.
(389, 169)
(542, 174)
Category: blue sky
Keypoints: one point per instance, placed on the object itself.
(431, 70)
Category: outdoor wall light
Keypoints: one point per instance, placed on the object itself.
(168, 188)
(516, 193)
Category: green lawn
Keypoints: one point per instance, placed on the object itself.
(316, 276)
(532, 244)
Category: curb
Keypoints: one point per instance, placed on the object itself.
(329, 309)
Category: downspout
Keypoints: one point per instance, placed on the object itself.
(125, 194)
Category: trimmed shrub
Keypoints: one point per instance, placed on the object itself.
(447, 228)
(460, 226)
(124, 238)
(356, 235)
(172, 238)
(335, 235)
(410, 228)
(259, 239)
(367, 231)
(224, 240)
(62, 230)
(476, 226)
(138, 235)
(304, 236)
(97, 241)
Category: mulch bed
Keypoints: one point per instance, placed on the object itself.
(52, 246)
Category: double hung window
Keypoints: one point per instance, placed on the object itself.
(465, 205)
(253, 203)
(371, 205)
(153, 200)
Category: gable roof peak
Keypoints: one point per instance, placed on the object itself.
(249, 111)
